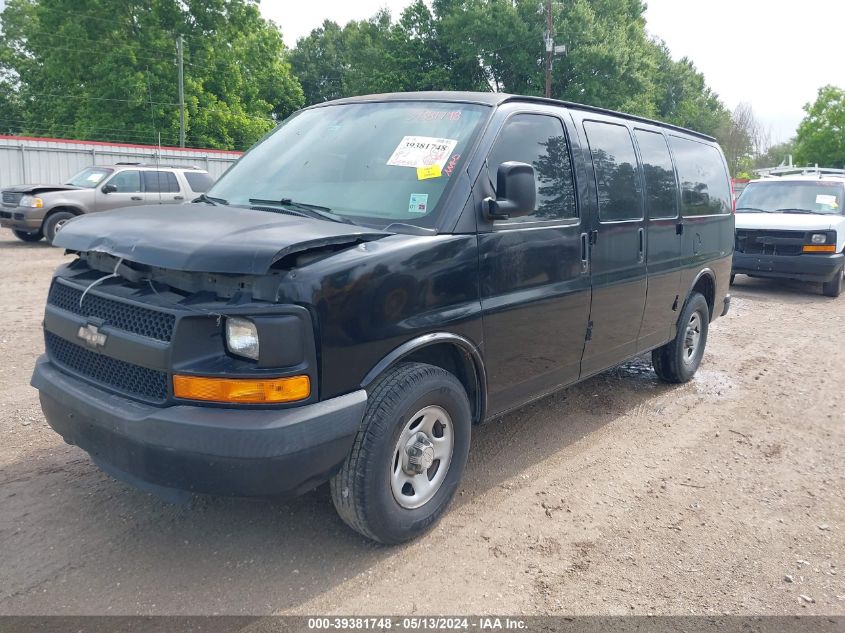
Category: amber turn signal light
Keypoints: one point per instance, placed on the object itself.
(819, 248)
(242, 391)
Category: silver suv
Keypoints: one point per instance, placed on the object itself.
(38, 211)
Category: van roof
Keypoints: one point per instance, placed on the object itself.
(498, 98)
(825, 178)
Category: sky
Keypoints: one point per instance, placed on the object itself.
(773, 54)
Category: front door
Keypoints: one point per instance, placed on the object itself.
(618, 247)
(128, 191)
(535, 288)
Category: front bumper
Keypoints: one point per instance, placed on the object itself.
(21, 218)
(215, 450)
(806, 267)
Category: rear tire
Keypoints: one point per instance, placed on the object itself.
(677, 361)
(733, 276)
(28, 236)
(391, 488)
(833, 288)
(54, 222)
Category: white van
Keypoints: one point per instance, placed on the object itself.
(793, 227)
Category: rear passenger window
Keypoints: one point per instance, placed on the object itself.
(615, 165)
(539, 141)
(160, 182)
(661, 189)
(705, 188)
(199, 181)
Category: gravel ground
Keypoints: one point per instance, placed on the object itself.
(620, 495)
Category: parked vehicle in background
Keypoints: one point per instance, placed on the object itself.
(793, 226)
(344, 306)
(34, 212)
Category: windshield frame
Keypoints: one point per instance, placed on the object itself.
(837, 188)
(107, 172)
(445, 213)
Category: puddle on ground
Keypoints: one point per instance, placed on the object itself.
(638, 371)
(714, 383)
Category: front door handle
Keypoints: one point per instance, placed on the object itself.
(585, 253)
(136, 198)
(594, 236)
(641, 240)
(178, 197)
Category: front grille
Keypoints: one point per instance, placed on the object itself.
(123, 316)
(763, 242)
(11, 197)
(142, 382)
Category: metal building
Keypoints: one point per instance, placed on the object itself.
(29, 160)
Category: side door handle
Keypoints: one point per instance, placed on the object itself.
(641, 239)
(585, 253)
(679, 228)
(594, 236)
(136, 198)
(178, 197)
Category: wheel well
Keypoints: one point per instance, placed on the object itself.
(707, 287)
(457, 362)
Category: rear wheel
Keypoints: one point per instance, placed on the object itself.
(833, 288)
(678, 360)
(55, 222)
(408, 456)
(733, 277)
(28, 236)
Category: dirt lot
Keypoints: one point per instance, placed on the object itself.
(620, 495)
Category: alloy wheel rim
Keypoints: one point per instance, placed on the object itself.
(692, 338)
(421, 457)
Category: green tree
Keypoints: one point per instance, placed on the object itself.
(106, 69)
(821, 135)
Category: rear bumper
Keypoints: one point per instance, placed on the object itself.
(215, 450)
(807, 267)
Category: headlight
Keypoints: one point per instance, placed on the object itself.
(818, 238)
(31, 201)
(242, 337)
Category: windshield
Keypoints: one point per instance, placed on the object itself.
(89, 178)
(791, 196)
(376, 163)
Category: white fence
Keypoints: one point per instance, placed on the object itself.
(26, 160)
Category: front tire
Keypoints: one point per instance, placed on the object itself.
(408, 456)
(55, 222)
(677, 361)
(28, 236)
(833, 288)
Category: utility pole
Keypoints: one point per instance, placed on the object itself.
(179, 47)
(549, 48)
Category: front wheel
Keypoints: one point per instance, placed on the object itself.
(28, 236)
(833, 288)
(678, 360)
(408, 456)
(54, 223)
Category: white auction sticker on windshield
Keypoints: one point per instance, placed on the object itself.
(826, 199)
(422, 151)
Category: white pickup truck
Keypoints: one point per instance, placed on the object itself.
(793, 227)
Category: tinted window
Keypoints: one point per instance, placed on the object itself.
(615, 164)
(198, 181)
(160, 182)
(127, 182)
(705, 188)
(661, 190)
(539, 141)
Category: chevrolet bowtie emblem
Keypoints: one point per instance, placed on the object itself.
(91, 334)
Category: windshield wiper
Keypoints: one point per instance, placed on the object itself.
(210, 200)
(304, 209)
(806, 211)
(752, 209)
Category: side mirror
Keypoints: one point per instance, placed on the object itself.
(516, 192)
(109, 188)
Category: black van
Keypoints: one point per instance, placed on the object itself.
(372, 279)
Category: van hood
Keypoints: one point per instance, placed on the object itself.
(206, 238)
(788, 221)
(38, 188)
